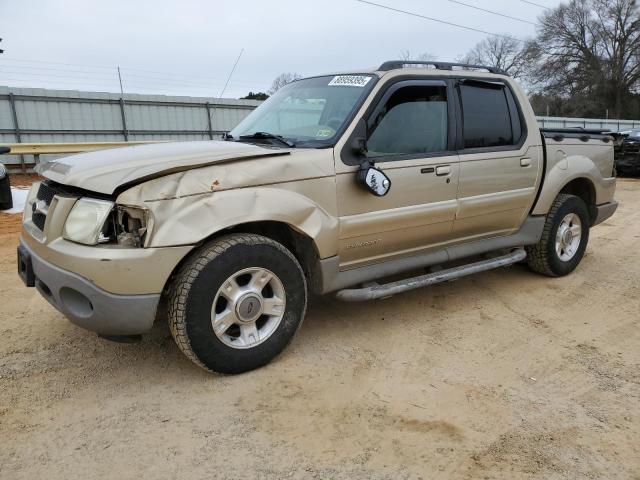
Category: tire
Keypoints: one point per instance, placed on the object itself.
(544, 257)
(253, 322)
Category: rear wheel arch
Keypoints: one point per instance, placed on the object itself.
(584, 189)
(576, 175)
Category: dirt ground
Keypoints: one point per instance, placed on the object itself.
(505, 374)
(22, 179)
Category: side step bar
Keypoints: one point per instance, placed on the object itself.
(376, 291)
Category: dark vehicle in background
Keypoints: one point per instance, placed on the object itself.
(627, 152)
(6, 201)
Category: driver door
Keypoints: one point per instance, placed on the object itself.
(411, 138)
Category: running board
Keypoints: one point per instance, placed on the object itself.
(375, 291)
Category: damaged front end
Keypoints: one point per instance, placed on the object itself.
(83, 252)
(94, 221)
(83, 217)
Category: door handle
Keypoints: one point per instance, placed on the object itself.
(443, 170)
(525, 162)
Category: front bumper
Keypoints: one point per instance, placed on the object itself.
(82, 302)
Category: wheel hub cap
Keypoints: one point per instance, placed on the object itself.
(249, 308)
(568, 237)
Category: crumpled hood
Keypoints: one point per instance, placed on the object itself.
(104, 171)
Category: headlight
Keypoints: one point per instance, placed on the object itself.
(3, 171)
(86, 221)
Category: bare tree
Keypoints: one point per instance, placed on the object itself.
(506, 53)
(282, 80)
(590, 49)
(406, 55)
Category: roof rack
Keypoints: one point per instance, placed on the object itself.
(396, 64)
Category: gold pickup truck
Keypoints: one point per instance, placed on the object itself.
(423, 172)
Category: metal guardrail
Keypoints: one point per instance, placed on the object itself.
(37, 149)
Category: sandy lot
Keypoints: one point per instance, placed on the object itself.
(502, 375)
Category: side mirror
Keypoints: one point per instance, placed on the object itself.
(359, 138)
(374, 180)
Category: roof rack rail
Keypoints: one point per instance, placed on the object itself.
(397, 64)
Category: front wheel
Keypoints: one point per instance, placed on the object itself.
(564, 238)
(237, 303)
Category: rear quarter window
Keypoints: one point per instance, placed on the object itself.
(487, 116)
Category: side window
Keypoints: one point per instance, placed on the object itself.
(487, 111)
(414, 120)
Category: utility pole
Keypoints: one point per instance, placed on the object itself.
(125, 130)
(224, 89)
(120, 80)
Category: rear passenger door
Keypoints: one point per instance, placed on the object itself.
(500, 163)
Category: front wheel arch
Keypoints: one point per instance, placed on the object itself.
(299, 244)
(192, 301)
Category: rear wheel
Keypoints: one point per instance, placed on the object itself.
(237, 303)
(564, 238)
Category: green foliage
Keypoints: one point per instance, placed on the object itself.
(255, 96)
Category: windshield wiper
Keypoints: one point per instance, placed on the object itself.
(268, 136)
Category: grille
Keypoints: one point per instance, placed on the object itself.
(46, 192)
(38, 219)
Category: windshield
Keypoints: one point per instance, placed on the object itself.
(310, 111)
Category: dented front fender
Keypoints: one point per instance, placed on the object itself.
(188, 207)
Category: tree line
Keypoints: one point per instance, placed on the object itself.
(584, 60)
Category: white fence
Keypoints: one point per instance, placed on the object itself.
(29, 115)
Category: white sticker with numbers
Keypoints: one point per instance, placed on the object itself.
(349, 81)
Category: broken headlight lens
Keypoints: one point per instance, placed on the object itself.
(131, 226)
(86, 221)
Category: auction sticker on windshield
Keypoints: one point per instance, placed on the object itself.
(349, 81)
